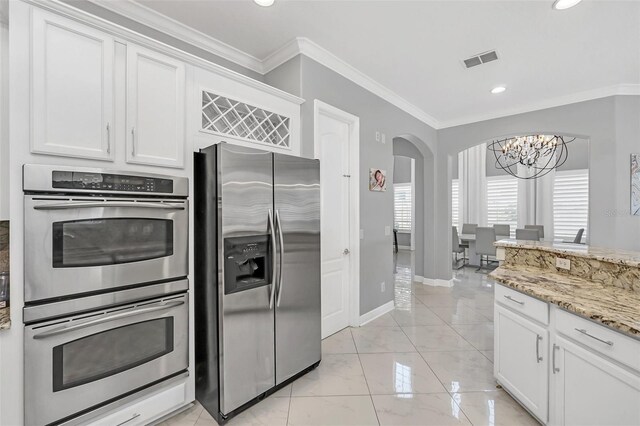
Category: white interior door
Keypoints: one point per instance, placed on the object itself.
(333, 150)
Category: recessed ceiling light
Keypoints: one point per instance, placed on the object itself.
(564, 4)
(266, 3)
(498, 89)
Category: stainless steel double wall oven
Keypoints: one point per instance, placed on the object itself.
(106, 308)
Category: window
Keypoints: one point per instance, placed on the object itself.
(570, 204)
(402, 207)
(455, 203)
(502, 201)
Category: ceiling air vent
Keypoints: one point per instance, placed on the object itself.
(481, 58)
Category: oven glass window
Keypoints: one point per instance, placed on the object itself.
(99, 242)
(110, 352)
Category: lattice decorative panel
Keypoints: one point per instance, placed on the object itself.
(234, 118)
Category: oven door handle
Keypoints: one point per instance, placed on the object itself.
(101, 204)
(107, 318)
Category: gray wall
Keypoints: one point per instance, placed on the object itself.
(376, 209)
(612, 126)
(401, 169)
(101, 12)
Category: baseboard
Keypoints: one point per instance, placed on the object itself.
(404, 248)
(435, 282)
(418, 279)
(377, 312)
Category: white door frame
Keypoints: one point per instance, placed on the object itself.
(322, 108)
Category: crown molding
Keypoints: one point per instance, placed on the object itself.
(331, 61)
(587, 95)
(304, 46)
(149, 17)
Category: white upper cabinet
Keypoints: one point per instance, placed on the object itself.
(155, 108)
(72, 88)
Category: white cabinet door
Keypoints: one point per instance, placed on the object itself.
(72, 88)
(155, 108)
(521, 360)
(590, 390)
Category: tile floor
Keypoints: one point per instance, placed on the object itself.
(428, 362)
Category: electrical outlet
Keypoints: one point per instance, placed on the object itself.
(377, 136)
(384, 138)
(382, 286)
(563, 263)
(387, 230)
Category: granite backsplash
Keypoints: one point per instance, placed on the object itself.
(607, 273)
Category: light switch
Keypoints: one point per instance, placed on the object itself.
(387, 230)
(384, 138)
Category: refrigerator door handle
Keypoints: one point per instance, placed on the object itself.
(273, 261)
(281, 239)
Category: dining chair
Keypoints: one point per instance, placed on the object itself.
(502, 230)
(578, 238)
(468, 228)
(540, 229)
(456, 248)
(527, 234)
(485, 237)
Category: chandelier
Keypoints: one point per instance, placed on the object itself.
(530, 157)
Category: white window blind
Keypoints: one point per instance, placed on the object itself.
(502, 201)
(455, 203)
(570, 204)
(402, 206)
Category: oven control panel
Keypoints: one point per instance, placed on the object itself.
(110, 182)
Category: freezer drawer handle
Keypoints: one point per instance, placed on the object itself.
(119, 315)
(92, 204)
(281, 239)
(273, 260)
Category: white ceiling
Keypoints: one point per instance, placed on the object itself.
(415, 48)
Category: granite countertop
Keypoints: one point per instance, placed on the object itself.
(614, 307)
(621, 257)
(5, 321)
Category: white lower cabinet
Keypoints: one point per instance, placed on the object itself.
(521, 360)
(569, 372)
(589, 390)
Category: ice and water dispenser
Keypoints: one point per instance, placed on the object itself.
(247, 263)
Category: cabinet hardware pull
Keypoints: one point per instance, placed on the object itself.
(553, 359)
(514, 300)
(538, 357)
(583, 331)
(108, 139)
(133, 141)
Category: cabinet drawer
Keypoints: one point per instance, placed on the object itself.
(599, 338)
(519, 302)
(147, 410)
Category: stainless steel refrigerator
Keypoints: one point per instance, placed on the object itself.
(257, 274)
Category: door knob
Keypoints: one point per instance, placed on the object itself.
(346, 251)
